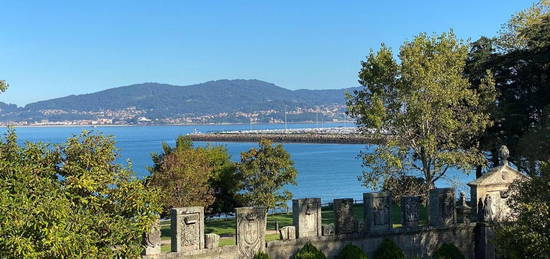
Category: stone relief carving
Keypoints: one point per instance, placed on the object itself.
(250, 231)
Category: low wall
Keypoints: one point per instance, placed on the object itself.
(420, 243)
(415, 243)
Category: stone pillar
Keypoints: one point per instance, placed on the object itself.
(377, 211)
(463, 211)
(287, 233)
(441, 207)
(343, 213)
(211, 240)
(306, 217)
(410, 211)
(251, 224)
(151, 241)
(187, 229)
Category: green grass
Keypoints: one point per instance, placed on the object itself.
(226, 227)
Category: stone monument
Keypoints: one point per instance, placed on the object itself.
(251, 224)
(343, 213)
(287, 233)
(151, 240)
(495, 183)
(211, 240)
(377, 211)
(306, 217)
(441, 207)
(410, 211)
(187, 229)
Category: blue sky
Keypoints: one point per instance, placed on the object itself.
(52, 48)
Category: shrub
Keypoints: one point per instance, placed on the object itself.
(388, 250)
(448, 251)
(309, 252)
(352, 252)
(261, 255)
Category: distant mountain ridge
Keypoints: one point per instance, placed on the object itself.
(161, 101)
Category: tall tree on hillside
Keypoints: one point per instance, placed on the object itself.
(425, 108)
(264, 171)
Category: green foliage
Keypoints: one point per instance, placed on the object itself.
(195, 176)
(264, 172)
(71, 200)
(352, 252)
(523, 95)
(527, 234)
(3, 86)
(308, 251)
(388, 250)
(423, 106)
(261, 255)
(448, 251)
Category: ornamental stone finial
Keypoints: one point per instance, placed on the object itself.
(503, 154)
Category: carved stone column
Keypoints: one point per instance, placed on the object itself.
(441, 207)
(410, 211)
(377, 211)
(187, 229)
(343, 213)
(306, 217)
(251, 225)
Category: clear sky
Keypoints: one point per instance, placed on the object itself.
(55, 48)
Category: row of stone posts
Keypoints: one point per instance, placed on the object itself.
(187, 224)
(377, 214)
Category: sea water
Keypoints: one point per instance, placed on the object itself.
(327, 171)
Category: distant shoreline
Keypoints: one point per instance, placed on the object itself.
(158, 125)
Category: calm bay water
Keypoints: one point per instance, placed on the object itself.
(327, 171)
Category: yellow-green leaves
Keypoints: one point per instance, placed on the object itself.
(426, 104)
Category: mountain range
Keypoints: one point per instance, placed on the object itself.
(210, 102)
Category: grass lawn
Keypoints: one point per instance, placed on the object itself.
(226, 227)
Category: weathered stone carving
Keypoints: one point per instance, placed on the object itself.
(410, 211)
(187, 229)
(211, 240)
(287, 233)
(343, 212)
(377, 211)
(328, 229)
(442, 207)
(151, 240)
(306, 217)
(463, 210)
(251, 224)
(495, 183)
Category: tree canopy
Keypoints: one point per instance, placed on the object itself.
(71, 200)
(264, 171)
(423, 106)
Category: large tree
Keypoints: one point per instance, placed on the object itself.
(423, 106)
(520, 61)
(264, 171)
(182, 173)
(71, 200)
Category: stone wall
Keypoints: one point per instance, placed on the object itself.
(415, 243)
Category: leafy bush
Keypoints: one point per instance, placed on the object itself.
(71, 200)
(309, 252)
(352, 252)
(448, 251)
(261, 255)
(388, 250)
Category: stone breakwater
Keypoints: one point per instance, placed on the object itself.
(286, 138)
(340, 135)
